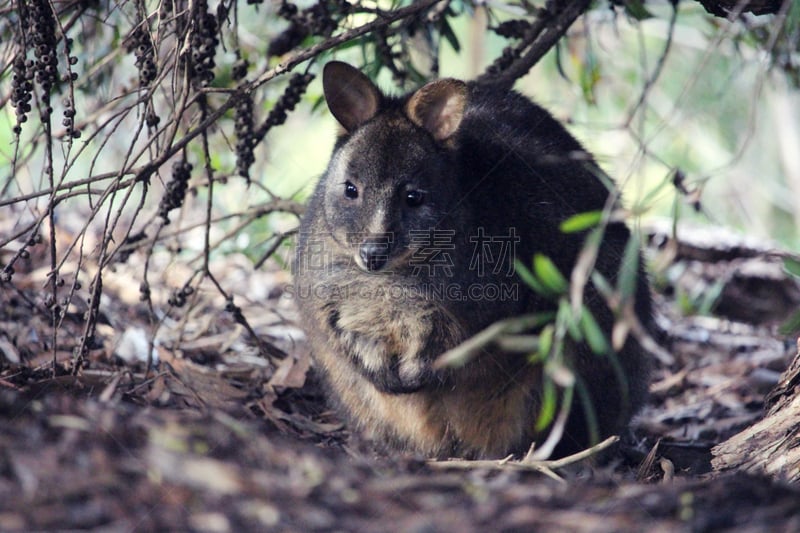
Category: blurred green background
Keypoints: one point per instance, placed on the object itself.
(718, 112)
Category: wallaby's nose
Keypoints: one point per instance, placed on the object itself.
(374, 253)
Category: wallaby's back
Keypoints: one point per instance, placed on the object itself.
(407, 249)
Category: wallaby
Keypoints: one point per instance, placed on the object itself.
(407, 249)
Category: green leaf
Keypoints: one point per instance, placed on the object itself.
(464, 352)
(629, 270)
(523, 344)
(791, 326)
(547, 411)
(589, 411)
(792, 266)
(565, 316)
(593, 334)
(528, 278)
(603, 287)
(449, 35)
(545, 341)
(547, 272)
(707, 301)
(636, 9)
(581, 221)
(318, 102)
(589, 75)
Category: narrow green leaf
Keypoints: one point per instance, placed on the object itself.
(581, 221)
(529, 279)
(636, 9)
(602, 284)
(318, 103)
(532, 321)
(791, 326)
(792, 266)
(707, 301)
(589, 75)
(629, 269)
(547, 272)
(545, 341)
(464, 352)
(589, 411)
(547, 411)
(793, 16)
(523, 344)
(449, 35)
(594, 335)
(565, 314)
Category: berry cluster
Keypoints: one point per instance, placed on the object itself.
(235, 310)
(141, 44)
(42, 32)
(40, 29)
(179, 296)
(287, 10)
(21, 87)
(512, 29)
(144, 292)
(151, 119)
(239, 69)
(277, 116)
(314, 20)
(202, 45)
(72, 61)
(128, 246)
(176, 189)
(69, 110)
(69, 119)
(245, 139)
(504, 61)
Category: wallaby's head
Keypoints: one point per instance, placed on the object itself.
(392, 175)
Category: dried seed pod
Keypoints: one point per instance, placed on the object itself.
(176, 189)
(202, 45)
(314, 20)
(504, 61)
(244, 135)
(20, 92)
(239, 69)
(141, 44)
(41, 27)
(512, 29)
(277, 116)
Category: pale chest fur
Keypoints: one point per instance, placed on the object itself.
(480, 411)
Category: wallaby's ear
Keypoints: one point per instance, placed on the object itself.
(438, 107)
(352, 98)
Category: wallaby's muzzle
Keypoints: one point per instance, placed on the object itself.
(374, 251)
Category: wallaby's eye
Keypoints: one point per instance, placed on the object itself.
(350, 190)
(414, 198)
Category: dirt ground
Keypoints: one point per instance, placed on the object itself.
(231, 433)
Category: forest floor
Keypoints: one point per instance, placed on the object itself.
(221, 436)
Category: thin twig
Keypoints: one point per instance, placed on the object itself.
(545, 467)
(662, 60)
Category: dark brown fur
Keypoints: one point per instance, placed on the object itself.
(460, 160)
